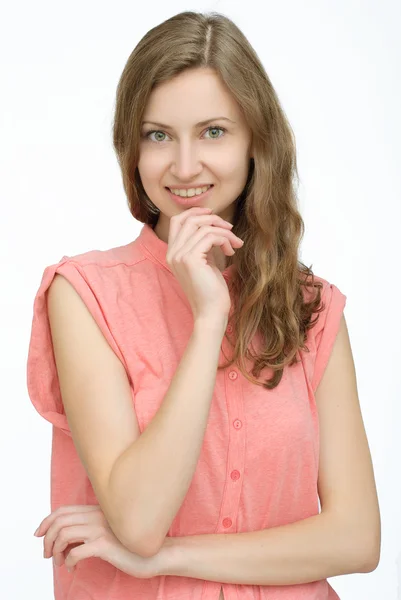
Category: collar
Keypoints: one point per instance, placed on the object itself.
(156, 249)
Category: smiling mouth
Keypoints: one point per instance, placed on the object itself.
(203, 189)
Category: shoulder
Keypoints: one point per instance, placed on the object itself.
(332, 299)
(326, 320)
(128, 255)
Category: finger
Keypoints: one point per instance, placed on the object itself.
(62, 510)
(193, 229)
(71, 535)
(92, 549)
(59, 557)
(177, 221)
(205, 244)
(62, 522)
(229, 241)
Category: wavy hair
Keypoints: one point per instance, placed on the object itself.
(270, 286)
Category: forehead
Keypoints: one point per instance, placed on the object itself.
(190, 97)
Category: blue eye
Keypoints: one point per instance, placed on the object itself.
(149, 133)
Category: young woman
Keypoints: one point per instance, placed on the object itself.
(200, 379)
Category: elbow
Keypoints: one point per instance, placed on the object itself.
(143, 548)
(361, 544)
(147, 551)
(372, 560)
(144, 545)
(140, 547)
(134, 536)
(370, 554)
(357, 552)
(370, 564)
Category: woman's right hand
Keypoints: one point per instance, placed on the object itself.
(192, 235)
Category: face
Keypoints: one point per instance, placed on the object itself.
(183, 154)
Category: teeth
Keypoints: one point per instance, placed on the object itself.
(191, 192)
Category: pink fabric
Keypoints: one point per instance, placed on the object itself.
(258, 465)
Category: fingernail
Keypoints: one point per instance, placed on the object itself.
(36, 532)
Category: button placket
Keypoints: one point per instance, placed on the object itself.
(235, 475)
(236, 453)
(233, 375)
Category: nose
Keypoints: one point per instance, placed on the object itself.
(186, 164)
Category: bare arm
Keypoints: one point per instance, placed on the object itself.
(309, 550)
(139, 480)
(151, 478)
(344, 538)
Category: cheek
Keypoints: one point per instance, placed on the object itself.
(149, 166)
(232, 168)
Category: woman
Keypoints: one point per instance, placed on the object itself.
(176, 474)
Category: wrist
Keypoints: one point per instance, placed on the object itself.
(215, 324)
(171, 558)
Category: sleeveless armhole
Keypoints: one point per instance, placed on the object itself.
(42, 378)
(326, 329)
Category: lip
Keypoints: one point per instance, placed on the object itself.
(193, 201)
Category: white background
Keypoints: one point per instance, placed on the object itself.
(336, 68)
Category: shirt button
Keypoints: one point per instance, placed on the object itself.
(235, 475)
(227, 523)
(233, 375)
(237, 424)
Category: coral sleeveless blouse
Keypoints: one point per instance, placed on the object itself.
(258, 465)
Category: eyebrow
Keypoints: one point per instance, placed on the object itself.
(200, 124)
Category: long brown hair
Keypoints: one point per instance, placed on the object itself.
(268, 277)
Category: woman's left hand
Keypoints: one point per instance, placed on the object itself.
(73, 533)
